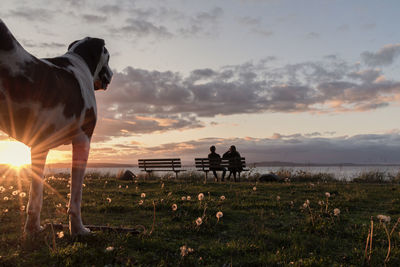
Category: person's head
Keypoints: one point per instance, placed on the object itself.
(232, 148)
(212, 149)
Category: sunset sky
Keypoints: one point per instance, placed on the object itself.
(302, 80)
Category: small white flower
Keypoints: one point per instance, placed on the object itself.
(5, 198)
(11, 187)
(143, 195)
(120, 186)
(383, 218)
(219, 214)
(109, 200)
(278, 198)
(140, 202)
(199, 221)
(328, 195)
(22, 194)
(336, 212)
(222, 198)
(254, 188)
(200, 196)
(22, 208)
(321, 203)
(14, 193)
(174, 207)
(58, 205)
(188, 197)
(2, 189)
(183, 198)
(5, 210)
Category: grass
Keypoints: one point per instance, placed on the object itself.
(263, 224)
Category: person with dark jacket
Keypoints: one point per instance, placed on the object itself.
(234, 161)
(215, 164)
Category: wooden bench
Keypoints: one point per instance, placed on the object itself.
(204, 164)
(163, 165)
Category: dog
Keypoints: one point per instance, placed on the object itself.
(49, 102)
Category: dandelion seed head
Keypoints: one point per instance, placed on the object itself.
(120, 186)
(183, 198)
(219, 214)
(188, 197)
(109, 249)
(328, 195)
(200, 196)
(254, 188)
(11, 187)
(140, 202)
(2, 189)
(336, 212)
(222, 197)
(199, 221)
(5, 210)
(109, 200)
(22, 208)
(22, 194)
(174, 207)
(278, 198)
(383, 218)
(143, 195)
(5, 198)
(14, 193)
(60, 234)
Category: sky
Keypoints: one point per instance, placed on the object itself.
(302, 81)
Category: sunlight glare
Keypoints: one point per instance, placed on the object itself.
(14, 153)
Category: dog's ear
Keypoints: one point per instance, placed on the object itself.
(90, 49)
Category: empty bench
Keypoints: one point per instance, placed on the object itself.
(163, 165)
(205, 165)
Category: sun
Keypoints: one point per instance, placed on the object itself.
(15, 154)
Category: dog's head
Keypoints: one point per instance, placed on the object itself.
(96, 56)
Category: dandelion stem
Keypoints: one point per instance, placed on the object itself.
(388, 236)
(311, 215)
(154, 218)
(394, 227)
(366, 245)
(370, 243)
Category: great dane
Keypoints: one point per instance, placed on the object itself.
(48, 102)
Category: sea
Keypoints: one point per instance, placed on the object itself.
(338, 172)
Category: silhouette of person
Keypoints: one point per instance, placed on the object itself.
(235, 165)
(215, 164)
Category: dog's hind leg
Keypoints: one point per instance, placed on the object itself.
(38, 159)
(80, 153)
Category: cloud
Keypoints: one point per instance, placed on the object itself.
(142, 28)
(94, 18)
(51, 45)
(205, 22)
(384, 57)
(31, 14)
(300, 148)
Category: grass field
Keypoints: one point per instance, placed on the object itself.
(262, 224)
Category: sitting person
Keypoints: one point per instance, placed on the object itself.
(215, 164)
(235, 165)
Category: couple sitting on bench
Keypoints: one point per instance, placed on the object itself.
(234, 162)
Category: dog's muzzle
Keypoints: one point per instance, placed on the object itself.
(105, 76)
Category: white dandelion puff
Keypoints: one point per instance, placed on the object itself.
(254, 188)
(200, 196)
(336, 212)
(109, 200)
(141, 202)
(174, 207)
(60, 234)
(219, 215)
(109, 249)
(143, 195)
(199, 221)
(183, 198)
(22, 194)
(383, 218)
(188, 197)
(328, 195)
(222, 198)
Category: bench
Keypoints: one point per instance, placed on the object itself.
(164, 165)
(205, 165)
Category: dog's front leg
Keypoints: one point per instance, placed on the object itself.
(38, 159)
(80, 153)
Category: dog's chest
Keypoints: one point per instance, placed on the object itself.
(46, 104)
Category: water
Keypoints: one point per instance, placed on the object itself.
(339, 172)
